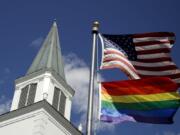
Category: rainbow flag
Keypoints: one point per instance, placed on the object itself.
(151, 100)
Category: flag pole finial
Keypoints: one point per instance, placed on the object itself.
(54, 22)
(95, 27)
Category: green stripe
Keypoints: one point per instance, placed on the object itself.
(141, 105)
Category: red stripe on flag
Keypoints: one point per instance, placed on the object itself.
(151, 48)
(153, 85)
(163, 68)
(155, 60)
(164, 50)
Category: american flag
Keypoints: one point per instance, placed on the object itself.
(140, 55)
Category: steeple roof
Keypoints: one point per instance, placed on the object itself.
(49, 56)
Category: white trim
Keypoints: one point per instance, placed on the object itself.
(27, 96)
(33, 80)
(59, 98)
(21, 118)
(35, 114)
(60, 86)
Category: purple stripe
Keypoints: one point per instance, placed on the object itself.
(119, 119)
(154, 120)
(123, 118)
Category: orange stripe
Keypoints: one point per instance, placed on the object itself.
(139, 87)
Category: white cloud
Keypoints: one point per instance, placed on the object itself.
(77, 75)
(5, 104)
(36, 43)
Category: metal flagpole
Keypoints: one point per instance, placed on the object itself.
(91, 83)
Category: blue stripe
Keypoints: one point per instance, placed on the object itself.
(148, 113)
(154, 120)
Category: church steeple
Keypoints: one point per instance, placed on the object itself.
(45, 79)
(49, 56)
(42, 98)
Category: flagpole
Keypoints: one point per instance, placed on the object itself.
(91, 83)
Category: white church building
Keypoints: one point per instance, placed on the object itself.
(42, 98)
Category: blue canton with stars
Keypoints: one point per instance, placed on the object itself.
(125, 43)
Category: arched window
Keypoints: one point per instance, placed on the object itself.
(59, 100)
(27, 95)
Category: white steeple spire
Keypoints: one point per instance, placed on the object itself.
(42, 98)
(45, 79)
(49, 56)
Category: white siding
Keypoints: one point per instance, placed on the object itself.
(35, 123)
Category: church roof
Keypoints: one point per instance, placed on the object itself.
(12, 115)
(49, 56)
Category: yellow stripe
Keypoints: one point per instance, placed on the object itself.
(141, 98)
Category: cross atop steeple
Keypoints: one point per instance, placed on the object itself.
(49, 56)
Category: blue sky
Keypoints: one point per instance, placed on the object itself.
(24, 24)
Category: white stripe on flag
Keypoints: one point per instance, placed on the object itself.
(152, 56)
(176, 80)
(118, 57)
(153, 47)
(111, 51)
(146, 39)
(153, 64)
(122, 66)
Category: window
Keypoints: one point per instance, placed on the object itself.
(32, 92)
(59, 100)
(23, 97)
(56, 97)
(27, 95)
(62, 103)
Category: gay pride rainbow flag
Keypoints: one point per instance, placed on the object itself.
(150, 100)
